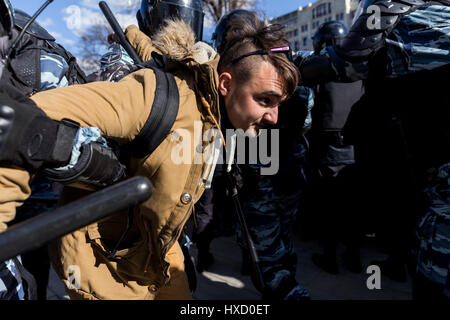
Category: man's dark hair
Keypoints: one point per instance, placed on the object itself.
(246, 36)
(224, 24)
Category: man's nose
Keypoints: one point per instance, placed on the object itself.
(271, 117)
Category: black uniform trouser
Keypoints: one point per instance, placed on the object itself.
(335, 199)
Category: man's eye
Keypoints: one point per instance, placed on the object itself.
(265, 101)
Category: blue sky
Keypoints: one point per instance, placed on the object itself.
(65, 19)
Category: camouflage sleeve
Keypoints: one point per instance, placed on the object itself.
(420, 41)
(307, 94)
(433, 230)
(116, 55)
(53, 70)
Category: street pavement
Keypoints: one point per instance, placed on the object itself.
(223, 281)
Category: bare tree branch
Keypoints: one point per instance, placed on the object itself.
(217, 8)
(94, 39)
(94, 42)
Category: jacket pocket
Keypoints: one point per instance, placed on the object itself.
(108, 245)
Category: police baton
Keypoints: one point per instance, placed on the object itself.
(256, 269)
(118, 31)
(39, 230)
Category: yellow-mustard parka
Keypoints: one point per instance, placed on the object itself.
(120, 110)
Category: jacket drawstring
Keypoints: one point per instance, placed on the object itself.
(207, 107)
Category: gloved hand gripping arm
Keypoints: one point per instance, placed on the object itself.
(31, 140)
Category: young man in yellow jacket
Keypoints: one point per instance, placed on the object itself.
(245, 86)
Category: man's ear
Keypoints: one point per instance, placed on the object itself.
(225, 83)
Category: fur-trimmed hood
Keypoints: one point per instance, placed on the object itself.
(177, 41)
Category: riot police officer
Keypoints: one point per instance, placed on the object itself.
(151, 16)
(38, 64)
(147, 262)
(401, 48)
(333, 162)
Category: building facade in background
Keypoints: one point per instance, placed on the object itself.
(302, 23)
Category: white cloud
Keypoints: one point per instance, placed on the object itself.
(46, 22)
(55, 34)
(61, 39)
(78, 19)
(88, 66)
(115, 5)
(208, 22)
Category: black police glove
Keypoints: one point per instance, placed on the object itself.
(97, 166)
(28, 137)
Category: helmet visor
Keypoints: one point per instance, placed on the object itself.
(192, 16)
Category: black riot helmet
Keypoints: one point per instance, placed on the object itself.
(6, 18)
(153, 13)
(224, 24)
(21, 19)
(329, 33)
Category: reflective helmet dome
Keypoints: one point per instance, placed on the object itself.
(329, 33)
(224, 23)
(153, 13)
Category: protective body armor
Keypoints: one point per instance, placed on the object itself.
(331, 108)
(39, 63)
